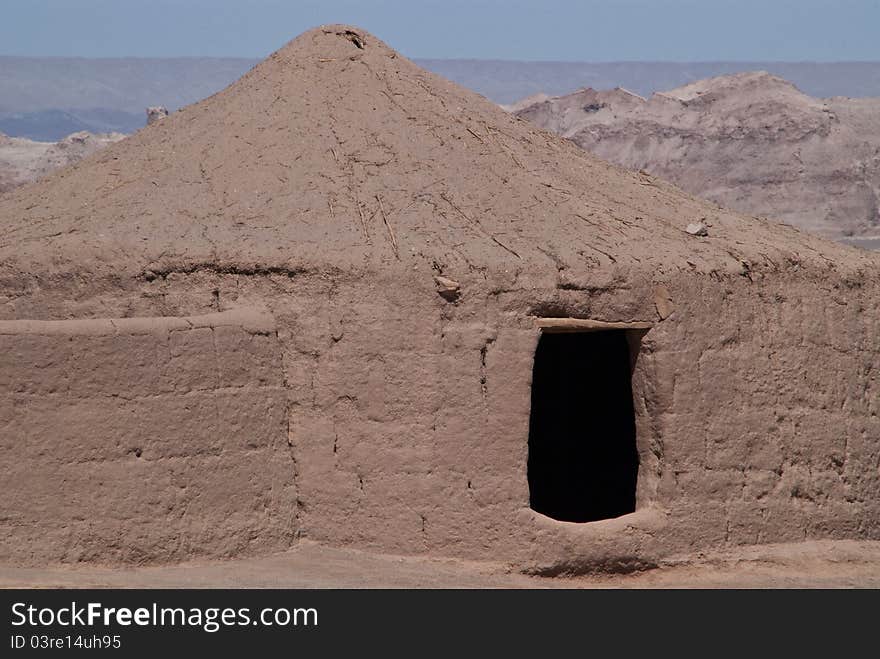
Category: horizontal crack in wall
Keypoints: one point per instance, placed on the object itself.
(221, 269)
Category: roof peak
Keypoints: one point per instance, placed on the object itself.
(337, 152)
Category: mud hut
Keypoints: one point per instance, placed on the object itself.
(348, 301)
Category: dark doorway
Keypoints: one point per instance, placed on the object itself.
(583, 461)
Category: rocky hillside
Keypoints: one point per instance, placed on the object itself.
(24, 161)
(752, 142)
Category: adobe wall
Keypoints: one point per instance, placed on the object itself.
(407, 418)
(146, 439)
(768, 402)
(756, 407)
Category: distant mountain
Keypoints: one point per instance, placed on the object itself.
(102, 95)
(506, 81)
(47, 98)
(53, 125)
(29, 84)
(751, 141)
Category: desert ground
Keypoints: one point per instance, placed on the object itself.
(812, 564)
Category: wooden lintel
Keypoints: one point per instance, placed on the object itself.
(586, 325)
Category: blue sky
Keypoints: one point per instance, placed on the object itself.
(590, 30)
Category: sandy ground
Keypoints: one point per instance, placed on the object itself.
(816, 564)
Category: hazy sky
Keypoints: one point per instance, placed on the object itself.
(590, 30)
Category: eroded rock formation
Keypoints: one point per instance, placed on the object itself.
(752, 142)
(25, 161)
